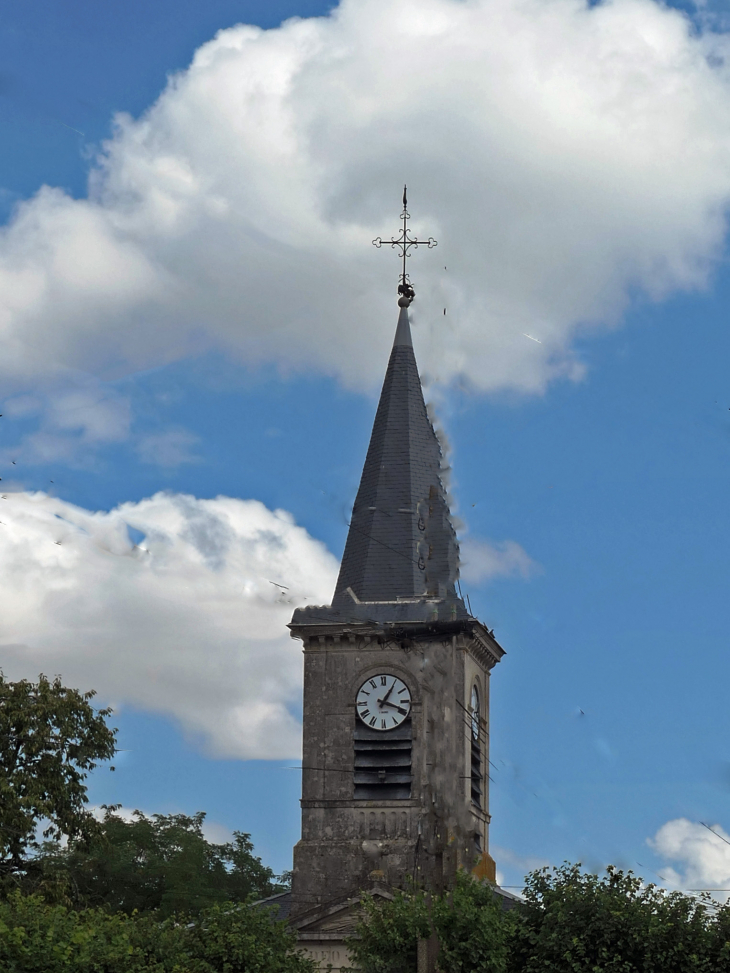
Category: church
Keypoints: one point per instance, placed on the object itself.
(396, 684)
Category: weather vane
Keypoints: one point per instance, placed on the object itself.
(404, 244)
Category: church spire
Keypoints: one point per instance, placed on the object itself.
(401, 557)
(401, 544)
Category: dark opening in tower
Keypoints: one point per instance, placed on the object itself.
(476, 773)
(476, 749)
(383, 763)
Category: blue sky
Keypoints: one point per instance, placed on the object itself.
(604, 460)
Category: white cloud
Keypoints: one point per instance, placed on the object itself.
(564, 155)
(484, 560)
(703, 858)
(77, 414)
(186, 624)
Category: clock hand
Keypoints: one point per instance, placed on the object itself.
(385, 698)
(384, 701)
(394, 706)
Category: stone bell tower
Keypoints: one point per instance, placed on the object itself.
(396, 685)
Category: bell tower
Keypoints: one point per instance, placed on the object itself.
(396, 677)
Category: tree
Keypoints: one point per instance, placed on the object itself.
(50, 738)
(161, 863)
(469, 923)
(572, 921)
(36, 937)
(386, 937)
(472, 928)
(234, 938)
(569, 922)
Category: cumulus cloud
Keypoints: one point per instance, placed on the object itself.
(484, 560)
(565, 155)
(703, 858)
(185, 622)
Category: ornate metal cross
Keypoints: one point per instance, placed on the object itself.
(404, 244)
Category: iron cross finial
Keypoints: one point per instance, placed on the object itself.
(404, 243)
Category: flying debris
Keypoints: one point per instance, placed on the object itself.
(531, 338)
(283, 586)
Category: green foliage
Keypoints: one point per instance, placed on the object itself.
(570, 922)
(39, 938)
(468, 922)
(471, 927)
(574, 922)
(161, 863)
(50, 738)
(387, 935)
(235, 938)
(150, 895)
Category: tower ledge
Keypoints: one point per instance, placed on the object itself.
(424, 621)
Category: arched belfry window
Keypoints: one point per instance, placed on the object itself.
(476, 748)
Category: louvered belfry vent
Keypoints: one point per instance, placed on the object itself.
(476, 772)
(383, 763)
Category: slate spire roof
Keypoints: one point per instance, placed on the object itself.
(401, 543)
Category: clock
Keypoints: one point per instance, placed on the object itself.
(475, 712)
(383, 702)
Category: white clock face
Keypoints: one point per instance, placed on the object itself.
(383, 702)
(475, 712)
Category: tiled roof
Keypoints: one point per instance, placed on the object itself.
(401, 542)
(280, 905)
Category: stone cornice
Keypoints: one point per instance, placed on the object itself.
(477, 638)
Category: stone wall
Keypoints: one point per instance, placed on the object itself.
(348, 844)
